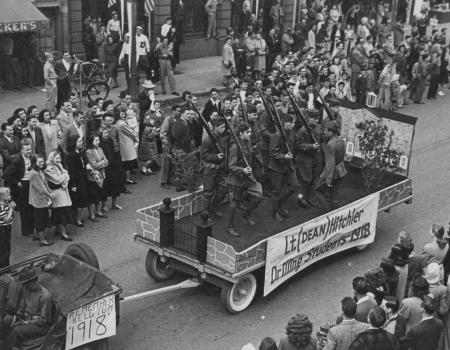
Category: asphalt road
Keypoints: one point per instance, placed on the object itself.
(195, 318)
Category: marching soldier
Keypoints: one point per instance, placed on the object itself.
(308, 159)
(333, 153)
(335, 115)
(214, 186)
(283, 177)
(247, 192)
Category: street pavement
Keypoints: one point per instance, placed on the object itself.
(195, 318)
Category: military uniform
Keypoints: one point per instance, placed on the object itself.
(283, 177)
(247, 191)
(308, 160)
(214, 172)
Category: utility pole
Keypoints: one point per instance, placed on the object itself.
(134, 89)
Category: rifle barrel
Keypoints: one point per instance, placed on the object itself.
(206, 126)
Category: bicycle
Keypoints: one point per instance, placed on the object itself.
(93, 75)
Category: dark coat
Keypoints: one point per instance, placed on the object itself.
(210, 108)
(78, 179)
(14, 172)
(278, 161)
(39, 144)
(424, 336)
(9, 149)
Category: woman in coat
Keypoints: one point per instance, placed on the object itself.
(260, 55)
(127, 148)
(41, 197)
(114, 175)
(77, 172)
(58, 181)
(228, 62)
(111, 54)
(96, 165)
(50, 131)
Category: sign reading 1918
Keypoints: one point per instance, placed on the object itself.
(91, 322)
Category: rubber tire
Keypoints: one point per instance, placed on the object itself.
(226, 295)
(105, 87)
(360, 248)
(151, 265)
(83, 253)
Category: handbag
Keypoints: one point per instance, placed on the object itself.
(98, 177)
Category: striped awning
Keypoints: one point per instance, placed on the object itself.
(20, 16)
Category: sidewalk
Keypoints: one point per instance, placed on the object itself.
(196, 75)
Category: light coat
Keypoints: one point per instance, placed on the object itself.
(59, 176)
(97, 159)
(40, 194)
(227, 60)
(126, 141)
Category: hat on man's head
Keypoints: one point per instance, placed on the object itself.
(440, 234)
(113, 13)
(215, 122)
(139, 27)
(148, 84)
(27, 275)
(243, 127)
(420, 282)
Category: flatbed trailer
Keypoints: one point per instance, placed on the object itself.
(181, 237)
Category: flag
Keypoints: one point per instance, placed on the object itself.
(149, 6)
(111, 3)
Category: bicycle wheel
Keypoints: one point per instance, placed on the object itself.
(97, 89)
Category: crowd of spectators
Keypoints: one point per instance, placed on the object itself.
(401, 304)
(370, 54)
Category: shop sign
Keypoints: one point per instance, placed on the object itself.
(15, 27)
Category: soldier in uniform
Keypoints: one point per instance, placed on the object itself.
(283, 177)
(333, 153)
(214, 172)
(246, 190)
(335, 115)
(307, 158)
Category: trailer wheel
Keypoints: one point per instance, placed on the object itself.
(83, 253)
(156, 268)
(239, 296)
(361, 247)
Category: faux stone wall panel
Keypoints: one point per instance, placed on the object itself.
(395, 194)
(248, 259)
(221, 255)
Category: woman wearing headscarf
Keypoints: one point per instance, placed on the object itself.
(96, 165)
(58, 181)
(41, 198)
(77, 172)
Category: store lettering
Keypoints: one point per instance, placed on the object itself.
(14, 27)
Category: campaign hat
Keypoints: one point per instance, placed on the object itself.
(27, 275)
(148, 84)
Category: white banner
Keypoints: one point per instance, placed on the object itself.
(91, 322)
(295, 249)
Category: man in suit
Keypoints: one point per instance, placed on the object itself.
(9, 144)
(17, 178)
(213, 105)
(62, 67)
(426, 335)
(178, 18)
(364, 302)
(77, 128)
(395, 324)
(65, 117)
(36, 137)
(342, 335)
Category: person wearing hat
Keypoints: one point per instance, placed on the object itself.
(34, 315)
(214, 186)
(244, 185)
(333, 153)
(410, 308)
(283, 177)
(113, 27)
(438, 248)
(145, 99)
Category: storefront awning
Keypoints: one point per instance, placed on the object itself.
(20, 16)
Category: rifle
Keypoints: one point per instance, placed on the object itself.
(239, 146)
(324, 105)
(244, 113)
(206, 126)
(302, 117)
(278, 120)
